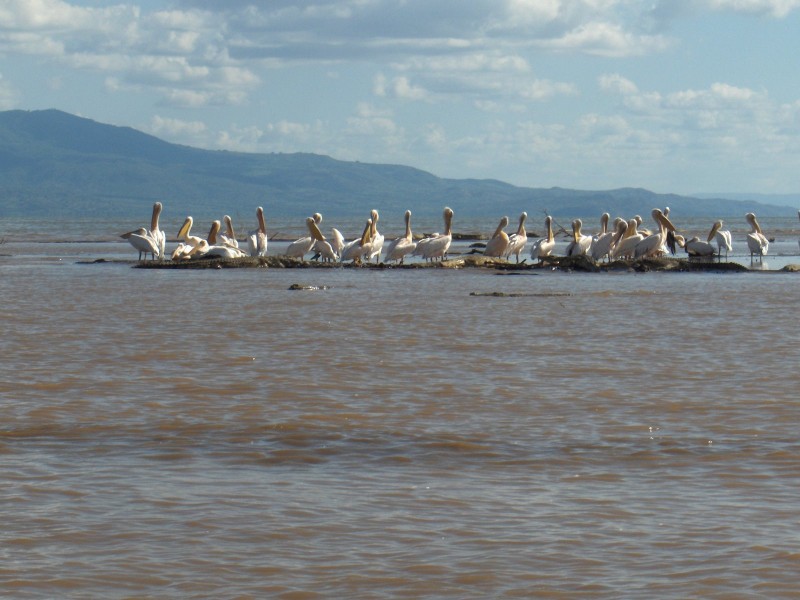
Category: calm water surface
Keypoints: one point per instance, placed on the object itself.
(212, 434)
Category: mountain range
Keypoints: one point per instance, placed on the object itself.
(54, 164)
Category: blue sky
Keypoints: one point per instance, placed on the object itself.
(684, 96)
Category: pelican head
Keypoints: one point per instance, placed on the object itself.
(183, 232)
(212, 233)
(317, 218)
(714, 229)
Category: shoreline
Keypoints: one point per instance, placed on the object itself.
(581, 264)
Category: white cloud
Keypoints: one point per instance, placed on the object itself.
(776, 8)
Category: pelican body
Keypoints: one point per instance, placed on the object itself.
(497, 245)
(543, 247)
(757, 242)
(399, 247)
(518, 240)
(257, 238)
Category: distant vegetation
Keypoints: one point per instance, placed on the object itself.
(56, 164)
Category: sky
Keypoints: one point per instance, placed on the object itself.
(681, 96)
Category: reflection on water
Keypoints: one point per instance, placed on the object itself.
(214, 434)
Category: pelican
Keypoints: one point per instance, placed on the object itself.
(257, 239)
(302, 246)
(229, 237)
(210, 247)
(188, 241)
(625, 246)
(376, 239)
(757, 242)
(437, 247)
(580, 243)
(544, 246)
(142, 241)
(722, 237)
(337, 241)
(496, 247)
(653, 244)
(354, 250)
(321, 246)
(601, 243)
(156, 233)
(517, 241)
(399, 247)
(698, 247)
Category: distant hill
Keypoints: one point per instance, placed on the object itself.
(56, 164)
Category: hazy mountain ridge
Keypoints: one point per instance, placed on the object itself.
(56, 164)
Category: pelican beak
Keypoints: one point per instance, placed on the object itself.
(713, 231)
(315, 232)
(666, 222)
(184, 229)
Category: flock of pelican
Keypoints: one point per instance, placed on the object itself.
(624, 239)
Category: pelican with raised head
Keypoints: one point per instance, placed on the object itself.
(518, 239)
(437, 247)
(257, 238)
(601, 243)
(757, 242)
(399, 247)
(626, 246)
(157, 233)
(543, 247)
(579, 246)
(376, 239)
(722, 237)
(229, 237)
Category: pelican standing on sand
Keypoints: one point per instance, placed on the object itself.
(354, 250)
(399, 247)
(437, 247)
(302, 246)
(722, 237)
(496, 246)
(580, 243)
(626, 246)
(757, 242)
(517, 241)
(321, 247)
(653, 244)
(257, 239)
(376, 239)
(156, 233)
(544, 246)
(601, 243)
(142, 241)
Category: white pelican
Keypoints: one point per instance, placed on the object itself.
(517, 241)
(188, 241)
(437, 247)
(229, 237)
(156, 233)
(544, 246)
(337, 241)
(496, 246)
(399, 247)
(757, 242)
(376, 239)
(302, 246)
(580, 243)
(722, 237)
(698, 247)
(653, 244)
(601, 243)
(626, 246)
(142, 241)
(210, 247)
(354, 250)
(257, 239)
(321, 246)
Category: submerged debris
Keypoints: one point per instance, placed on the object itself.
(297, 286)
